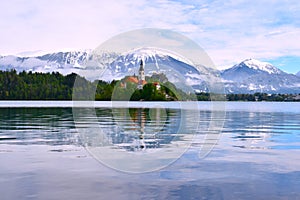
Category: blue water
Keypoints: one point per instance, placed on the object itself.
(44, 154)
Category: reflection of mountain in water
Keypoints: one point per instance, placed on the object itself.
(51, 126)
(251, 130)
(129, 129)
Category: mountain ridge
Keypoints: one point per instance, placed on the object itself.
(248, 76)
(255, 76)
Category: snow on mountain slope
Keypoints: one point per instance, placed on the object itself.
(176, 68)
(154, 61)
(248, 68)
(298, 74)
(65, 58)
(248, 76)
(252, 76)
(63, 62)
(261, 66)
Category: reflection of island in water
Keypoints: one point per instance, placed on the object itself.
(144, 128)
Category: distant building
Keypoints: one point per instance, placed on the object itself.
(139, 80)
(157, 85)
(141, 77)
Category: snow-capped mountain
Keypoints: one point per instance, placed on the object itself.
(63, 62)
(252, 76)
(298, 74)
(248, 68)
(249, 76)
(176, 68)
(155, 61)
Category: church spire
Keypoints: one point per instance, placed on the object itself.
(141, 77)
(142, 71)
(141, 65)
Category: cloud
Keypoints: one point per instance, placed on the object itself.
(230, 31)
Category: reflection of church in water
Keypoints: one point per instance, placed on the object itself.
(139, 116)
(145, 128)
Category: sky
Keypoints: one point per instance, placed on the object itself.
(229, 31)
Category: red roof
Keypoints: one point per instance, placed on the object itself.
(132, 79)
(135, 80)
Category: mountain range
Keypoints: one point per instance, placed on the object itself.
(249, 76)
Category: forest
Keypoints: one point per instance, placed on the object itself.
(55, 86)
(35, 86)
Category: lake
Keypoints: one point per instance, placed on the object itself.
(149, 150)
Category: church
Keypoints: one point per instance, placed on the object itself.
(139, 80)
(141, 77)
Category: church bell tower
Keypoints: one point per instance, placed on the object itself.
(142, 71)
(141, 75)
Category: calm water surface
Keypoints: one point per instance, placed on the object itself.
(42, 156)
